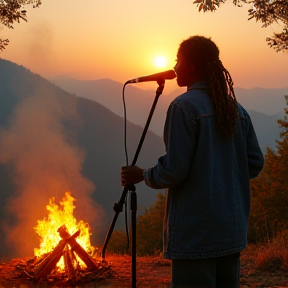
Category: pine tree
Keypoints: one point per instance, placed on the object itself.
(269, 192)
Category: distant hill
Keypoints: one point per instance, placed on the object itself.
(52, 141)
(109, 93)
(56, 139)
(265, 106)
(267, 101)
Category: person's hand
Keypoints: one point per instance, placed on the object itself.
(131, 175)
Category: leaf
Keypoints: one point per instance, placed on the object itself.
(200, 7)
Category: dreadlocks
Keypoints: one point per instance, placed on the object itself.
(204, 55)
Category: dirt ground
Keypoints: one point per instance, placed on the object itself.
(152, 272)
(253, 278)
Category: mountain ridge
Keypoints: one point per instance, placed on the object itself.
(53, 141)
(108, 93)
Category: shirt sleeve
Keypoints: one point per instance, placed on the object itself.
(174, 166)
(255, 155)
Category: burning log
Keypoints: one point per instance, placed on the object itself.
(21, 270)
(77, 248)
(44, 268)
(69, 268)
(48, 264)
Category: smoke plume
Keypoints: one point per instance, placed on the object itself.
(43, 163)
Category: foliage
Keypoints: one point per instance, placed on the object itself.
(117, 243)
(149, 229)
(149, 232)
(13, 11)
(269, 197)
(267, 12)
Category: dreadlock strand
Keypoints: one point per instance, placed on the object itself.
(223, 97)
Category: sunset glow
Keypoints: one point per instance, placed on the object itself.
(99, 48)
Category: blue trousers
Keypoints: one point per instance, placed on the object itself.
(219, 272)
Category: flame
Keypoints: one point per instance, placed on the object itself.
(47, 228)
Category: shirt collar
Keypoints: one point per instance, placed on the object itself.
(199, 85)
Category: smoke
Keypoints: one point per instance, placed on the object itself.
(39, 47)
(43, 162)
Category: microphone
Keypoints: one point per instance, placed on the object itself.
(166, 75)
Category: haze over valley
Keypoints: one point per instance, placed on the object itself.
(64, 134)
(265, 106)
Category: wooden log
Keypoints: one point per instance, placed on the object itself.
(77, 248)
(45, 267)
(69, 267)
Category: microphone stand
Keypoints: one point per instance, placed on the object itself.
(118, 207)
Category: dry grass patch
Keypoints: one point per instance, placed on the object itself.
(273, 256)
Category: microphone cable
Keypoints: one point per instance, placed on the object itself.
(127, 163)
(125, 123)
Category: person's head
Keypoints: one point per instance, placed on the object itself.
(194, 58)
(198, 60)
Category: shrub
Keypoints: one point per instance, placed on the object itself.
(273, 256)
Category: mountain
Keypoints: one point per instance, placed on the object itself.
(52, 141)
(267, 101)
(265, 106)
(109, 93)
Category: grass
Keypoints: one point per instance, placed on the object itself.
(273, 255)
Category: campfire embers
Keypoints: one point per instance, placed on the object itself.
(45, 267)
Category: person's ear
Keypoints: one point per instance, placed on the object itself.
(191, 69)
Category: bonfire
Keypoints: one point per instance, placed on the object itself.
(65, 253)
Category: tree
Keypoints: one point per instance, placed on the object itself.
(118, 243)
(149, 232)
(269, 197)
(267, 12)
(13, 11)
(149, 228)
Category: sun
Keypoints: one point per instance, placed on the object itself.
(160, 62)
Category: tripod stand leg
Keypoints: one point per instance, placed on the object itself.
(118, 207)
(133, 224)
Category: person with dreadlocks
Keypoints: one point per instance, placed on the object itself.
(211, 153)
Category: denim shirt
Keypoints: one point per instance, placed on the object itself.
(207, 177)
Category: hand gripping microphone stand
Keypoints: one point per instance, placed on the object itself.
(118, 207)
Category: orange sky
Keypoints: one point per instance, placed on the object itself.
(119, 39)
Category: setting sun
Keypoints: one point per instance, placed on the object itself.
(160, 62)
